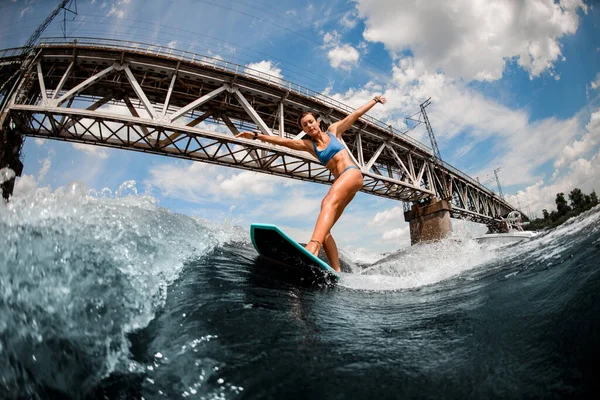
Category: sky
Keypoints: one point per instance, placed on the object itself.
(514, 85)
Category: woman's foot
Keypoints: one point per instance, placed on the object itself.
(313, 246)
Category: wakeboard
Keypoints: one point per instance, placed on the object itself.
(273, 244)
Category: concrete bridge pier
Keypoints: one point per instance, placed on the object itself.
(429, 222)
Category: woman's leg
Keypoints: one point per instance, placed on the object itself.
(332, 252)
(329, 244)
(339, 196)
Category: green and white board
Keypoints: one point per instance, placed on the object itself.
(272, 243)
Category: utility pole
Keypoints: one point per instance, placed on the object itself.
(64, 4)
(498, 182)
(434, 145)
(8, 77)
(437, 156)
(29, 46)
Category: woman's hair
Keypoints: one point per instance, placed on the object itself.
(304, 114)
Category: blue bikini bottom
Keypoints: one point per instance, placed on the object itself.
(347, 168)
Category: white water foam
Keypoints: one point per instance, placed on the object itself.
(429, 263)
(420, 265)
(87, 268)
(553, 243)
(360, 255)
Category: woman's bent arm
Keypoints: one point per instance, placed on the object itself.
(338, 128)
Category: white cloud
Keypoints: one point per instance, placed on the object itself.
(349, 19)
(596, 84)
(191, 182)
(292, 204)
(116, 12)
(340, 55)
(391, 214)
(247, 183)
(363, 47)
(25, 184)
(46, 164)
(583, 145)
(461, 115)
(199, 182)
(209, 126)
(28, 183)
(395, 234)
(259, 69)
(331, 39)
(473, 40)
(92, 150)
(117, 8)
(172, 44)
(344, 57)
(581, 173)
(389, 225)
(25, 11)
(525, 147)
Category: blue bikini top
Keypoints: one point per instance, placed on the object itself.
(334, 147)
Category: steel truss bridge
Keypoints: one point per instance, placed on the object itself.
(154, 99)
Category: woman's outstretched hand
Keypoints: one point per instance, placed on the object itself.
(245, 135)
(380, 99)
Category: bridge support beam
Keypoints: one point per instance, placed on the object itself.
(10, 160)
(11, 143)
(430, 222)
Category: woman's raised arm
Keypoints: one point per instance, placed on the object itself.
(338, 128)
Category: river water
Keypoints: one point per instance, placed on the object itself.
(111, 296)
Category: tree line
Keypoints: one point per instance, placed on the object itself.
(578, 203)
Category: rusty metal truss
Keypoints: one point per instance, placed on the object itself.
(178, 104)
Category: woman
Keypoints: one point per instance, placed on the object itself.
(327, 147)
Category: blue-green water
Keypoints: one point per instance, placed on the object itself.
(115, 297)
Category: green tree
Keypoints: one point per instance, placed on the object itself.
(577, 198)
(580, 202)
(561, 204)
(594, 198)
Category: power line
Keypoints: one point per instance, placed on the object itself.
(259, 18)
(319, 43)
(196, 34)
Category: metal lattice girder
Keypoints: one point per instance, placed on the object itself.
(134, 133)
(93, 92)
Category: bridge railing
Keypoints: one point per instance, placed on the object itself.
(158, 50)
(12, 52)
